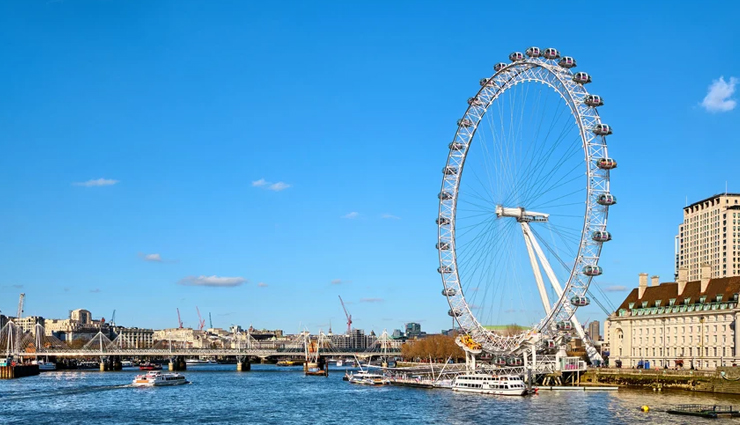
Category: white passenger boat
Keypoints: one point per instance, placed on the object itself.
(367, 378)
(489, 384)
(159, 379)
(127, 363)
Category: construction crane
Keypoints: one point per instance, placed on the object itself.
(113, 318)
(20, 306)
(349, 316)
(179, 321)
(210, 321)
(201, 322)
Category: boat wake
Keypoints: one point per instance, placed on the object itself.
(63, 392)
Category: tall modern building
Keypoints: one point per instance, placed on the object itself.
(710, 233)
(413, 330)
(593, 330)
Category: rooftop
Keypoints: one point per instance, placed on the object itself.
(725, 286)
(712, 197)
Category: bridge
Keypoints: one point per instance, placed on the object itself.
(19, 344)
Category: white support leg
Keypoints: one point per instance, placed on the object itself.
(593, 354)
(535, 267)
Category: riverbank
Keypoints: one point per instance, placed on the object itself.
(724, 380)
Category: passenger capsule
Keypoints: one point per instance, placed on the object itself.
(550, 343)
(582, 78)
(551, 53)
(606, 163)
(602, 129)
(500, 361)
(601, 236)
(444, 246)
(457, 146)
(464, 122)
(606, 199)
(567, 62)
(579, 301)
(534, 52)
(449, 292)
(592, 270)
(454, 312)
(474, 101)
(487, 82)
(499, 66)
(593, 100)
(445, 196)
(516, 56)
(443, 221)
(514, 361)
(449, 171)
(564, 326)
(444, 269)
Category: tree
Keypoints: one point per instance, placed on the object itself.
(438, 347)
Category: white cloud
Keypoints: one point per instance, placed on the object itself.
(262, 285)
(96, 183)
(719, 95)
(153, 257)
(371, 300)
(353, 214)
(216, 281)
(615, 288)
(275, 187)
(390, 217)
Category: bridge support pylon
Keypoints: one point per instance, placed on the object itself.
(177, 363)
(112, 363)
(242, 364)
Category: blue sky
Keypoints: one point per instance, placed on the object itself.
(258, 159)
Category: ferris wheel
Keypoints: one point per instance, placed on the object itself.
(535, 198)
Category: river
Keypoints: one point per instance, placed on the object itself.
(275, 395)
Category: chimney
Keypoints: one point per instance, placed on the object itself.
(683, 274)
(654, 281)
(706, 274)
(643, 285)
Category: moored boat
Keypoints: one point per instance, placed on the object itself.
(159, 379)
(150, 366)
(490, 384)
(367, 378)
(46, 365)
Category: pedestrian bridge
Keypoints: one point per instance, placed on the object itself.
(17, 343)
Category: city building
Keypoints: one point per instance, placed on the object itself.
(29, 323)
(686, 323)
(355, 341)
(81, 316)
(3, 320)
(710, 233)
(134, 337)
(594, 331)
(413, 330)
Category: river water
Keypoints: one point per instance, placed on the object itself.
(276, 395)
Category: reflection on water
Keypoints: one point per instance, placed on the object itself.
(271, 395)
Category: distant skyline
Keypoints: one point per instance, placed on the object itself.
(257, 160)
